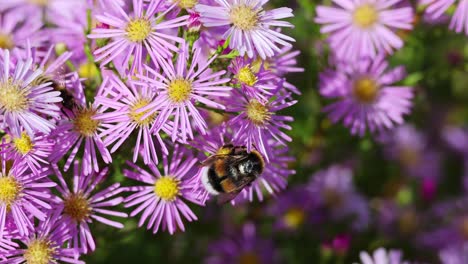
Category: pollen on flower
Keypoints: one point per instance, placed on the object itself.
(223, 151)
(179, 90)
(167, 188)
(84, 122)
(136, 116)
(187, 4)
(249, 258)
(39, 2)
(6, 42)
(23, 144)
(244, 17)
(12, 97)
(246, 76)
(257, 112)
(9, 190)
(39, 251)
(365, 16)
(77, 207)
(294, 217)
(365, 90)
(138, 30)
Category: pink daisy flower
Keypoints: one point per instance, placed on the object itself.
(23, 196)
(18, 28)
(121, 118)
(22, 103)
(46, 244)
(436, 8)
(252, 28)
(366, 97)
(364, 27)
(33, 150)
(160, 199)
(254, 80)
(78, 127)
(180, 89)
(138, 35)
(84, 203)
(257, 121)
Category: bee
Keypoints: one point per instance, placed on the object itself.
(229, 171)
(68, 100)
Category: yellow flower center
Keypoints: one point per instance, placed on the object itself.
(12, 97)
(365, 90)
(332, 198)
(179, 90)
(138, 30)
(77, 207)
(39, 252)
(244, 17)
(84, 122)
(409, 156)
(294, 217)
(249, 258)
(23, 144)
(9, 190)
(166, 188)
(246, 76)
(257, 63)
(6, 42)
(187, 4)
(136, 117)
(365, 16)
(39, 2)
(88, 70)
(257, 112)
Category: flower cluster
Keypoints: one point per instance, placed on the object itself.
(85, 85)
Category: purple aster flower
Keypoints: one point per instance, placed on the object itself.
(437, 8)
(281, 64)
(84, 203)
(255, 83)
(21, 102)
(180, 89)
(6, 245)
(242, 247)
(80, 125)
(454, 254)
(397, 219)
(257, 121)
(382, 256)
(138, 35)
(160, 199)
(251, 29)
(364, 28)
(121, 118)
(365, 96)
(335, 194)
(23, 196)
(412, 149)
(46, 244)
(33, 150)
(292, 209)
(18, 28)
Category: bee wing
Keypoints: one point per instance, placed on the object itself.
(227, 197)
(208, 161)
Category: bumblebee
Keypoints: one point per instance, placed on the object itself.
(230, 170)
(68, 100)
